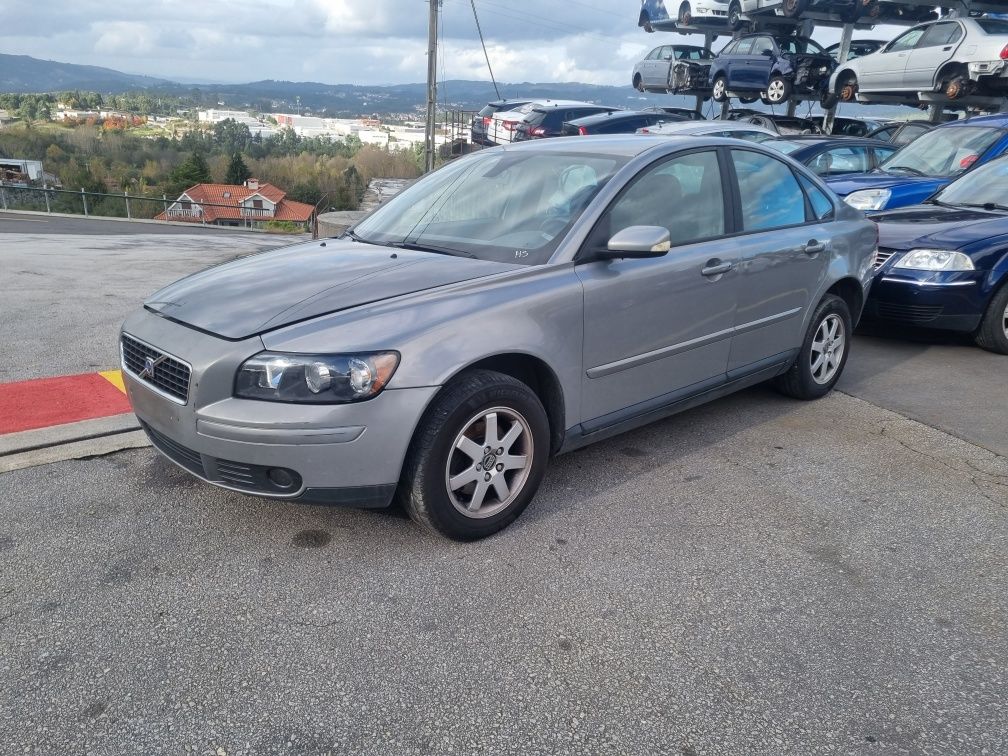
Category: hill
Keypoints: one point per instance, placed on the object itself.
(23, 73)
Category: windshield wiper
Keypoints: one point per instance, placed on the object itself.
(348, 234)
(985, 205)
(427, 248)
(906, 168)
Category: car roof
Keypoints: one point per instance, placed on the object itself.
(702, 127)
(616, 115)
(621, 145)
(837, 140)
(997, 119)
(547, 104)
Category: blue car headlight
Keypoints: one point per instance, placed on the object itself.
(868, 199)
(934, 259)
(315, 378)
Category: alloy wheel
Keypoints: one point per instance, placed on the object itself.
(489, 462)
(719, 89)
(775, 91)
(827, 349)
(1004, 322)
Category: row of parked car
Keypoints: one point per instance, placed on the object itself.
(956, 57)
(930, 186)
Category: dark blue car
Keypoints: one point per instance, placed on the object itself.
(944, 264)
(772, 67)
(927, 164)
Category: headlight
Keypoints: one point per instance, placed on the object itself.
(868, 199)
(934, 259)
(315, 378)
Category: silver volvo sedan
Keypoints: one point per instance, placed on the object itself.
(518, 303)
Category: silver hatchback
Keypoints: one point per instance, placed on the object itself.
(518, 303)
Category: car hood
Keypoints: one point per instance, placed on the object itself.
(273, 289)
(937, 226)
(918, 184)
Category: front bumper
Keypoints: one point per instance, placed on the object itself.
(339, 453)
(945, 301)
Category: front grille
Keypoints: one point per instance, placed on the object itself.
(169, 374)
(189, 459)
(882, 255)
(911, 313)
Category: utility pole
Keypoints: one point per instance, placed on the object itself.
(430, 131)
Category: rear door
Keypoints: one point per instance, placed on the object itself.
(783, 250)
(936, 47)
(659, 328)
(737, 63)
(760, 61)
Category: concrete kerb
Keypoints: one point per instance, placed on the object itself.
(150, 221)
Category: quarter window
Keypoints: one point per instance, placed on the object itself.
(822, 206)
(771, 196)
(841, 160)
(683, 194)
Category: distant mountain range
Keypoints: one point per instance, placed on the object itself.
(23, 73)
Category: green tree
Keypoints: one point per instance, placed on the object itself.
(192, 171)
(237, 172)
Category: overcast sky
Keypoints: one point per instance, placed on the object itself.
(339, 41)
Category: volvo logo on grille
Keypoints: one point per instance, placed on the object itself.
(149, 364)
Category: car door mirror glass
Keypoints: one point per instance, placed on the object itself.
(639, 241)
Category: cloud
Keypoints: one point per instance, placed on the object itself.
(338, 41)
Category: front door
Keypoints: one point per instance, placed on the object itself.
(883, 71)
(659, 328)
(783, 253)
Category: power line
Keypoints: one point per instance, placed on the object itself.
(485, 55)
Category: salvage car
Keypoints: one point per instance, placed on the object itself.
(654, 14)
(954, 56)
(927, 164)
(654, 72)
(858, 48)
(944, 264)
(771, 67)
(517, 303)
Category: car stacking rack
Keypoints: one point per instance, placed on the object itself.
(733, 18)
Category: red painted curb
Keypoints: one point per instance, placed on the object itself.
(28, 405)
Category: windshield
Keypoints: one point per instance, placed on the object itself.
(987, 185)
(509, 207)
(943, 152)
(799, 46)
(783, 146)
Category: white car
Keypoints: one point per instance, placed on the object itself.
(730, 129)
(503, 126)
(955, 56)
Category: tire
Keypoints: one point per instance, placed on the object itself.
(445, 448)
(719, 89)
(993, 332)
(957, 86)
(638, 83)
(685, 16)
(801, 381)
(778, 90)
(794, 8)
(847, 88)
(735, 22)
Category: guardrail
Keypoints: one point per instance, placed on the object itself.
(112, 205)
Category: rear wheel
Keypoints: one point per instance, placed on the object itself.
(823, 353)
(957, 84)
(794, 8)
(685, 14)
(638, 84)
(477, 458)
(847, 88)
(719, 91)
(993, 331)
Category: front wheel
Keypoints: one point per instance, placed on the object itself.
(719, 91)
(823, 352)
(735, 17)
(778, 90)
(993, 332)
(638, 83)
(848, 89)
(477, 458)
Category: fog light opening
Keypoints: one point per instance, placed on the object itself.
(280, 478)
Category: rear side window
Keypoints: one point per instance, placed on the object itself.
(992, 25)
(822, 206)
(744, 46)
(841, 160)
(940, 34)
(770, 193)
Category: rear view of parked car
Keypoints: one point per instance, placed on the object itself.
(771, 67)
(617, 122)
(512, 305)
(481, 121)
(504, 123)
(547, 119)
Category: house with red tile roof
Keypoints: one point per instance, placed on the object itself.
(254, 203)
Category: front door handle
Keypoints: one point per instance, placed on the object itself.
(814, 247)
(715, 268)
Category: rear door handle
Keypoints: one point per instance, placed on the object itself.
(715, 268)
(814, 247)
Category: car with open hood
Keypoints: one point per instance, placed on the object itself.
(517, 303)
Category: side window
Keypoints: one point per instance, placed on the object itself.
(667, 53)
(906, 41)
(910, 133)
(822, 206)
(683, 194)
(884, 134)
(937, 35)
(729, 49)
(841, 160)
(744, 46)
(771, 196)
(762, 45)
(653, 55)
(883, 153)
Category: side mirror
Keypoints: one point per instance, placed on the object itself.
(638, 241)
(767, 53)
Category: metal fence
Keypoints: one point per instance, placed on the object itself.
(455, 125)
(125, 205)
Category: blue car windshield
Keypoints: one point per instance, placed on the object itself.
(504, 206)
(986, 186)
(943, 151)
